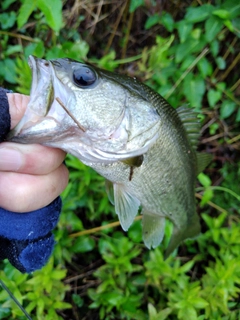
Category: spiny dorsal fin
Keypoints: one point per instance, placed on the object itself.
(191, 124)
(203, 160)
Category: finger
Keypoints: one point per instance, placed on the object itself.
(17, 106)
(24, 193)
(29, 158)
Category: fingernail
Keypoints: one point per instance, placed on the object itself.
(10, 159)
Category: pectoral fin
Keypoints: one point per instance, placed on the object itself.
(110, 192)
(134, 162)
(153, 229)
(126, 205)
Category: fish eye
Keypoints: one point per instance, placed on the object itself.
(84, 77)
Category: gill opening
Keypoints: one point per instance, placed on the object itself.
(15, 300)
(70, 115)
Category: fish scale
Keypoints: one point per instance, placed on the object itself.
(126, 132)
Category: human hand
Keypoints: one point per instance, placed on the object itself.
(31, 176)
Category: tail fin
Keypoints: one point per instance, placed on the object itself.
(192, 230)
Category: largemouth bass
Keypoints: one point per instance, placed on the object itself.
(125, 131)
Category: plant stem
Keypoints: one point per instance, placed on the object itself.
(193, 64)
(94, 230)
(15, 300)
(21, 36)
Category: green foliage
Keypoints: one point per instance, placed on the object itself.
(118, 290)
(190, 58)
(43, 293)
(52, 11)
(196, 47)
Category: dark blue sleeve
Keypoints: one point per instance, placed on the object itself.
(4, 114)
(26, 239)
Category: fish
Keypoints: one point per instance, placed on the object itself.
(129, 134)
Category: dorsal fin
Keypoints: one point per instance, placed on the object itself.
(203, 160)
(191, 124)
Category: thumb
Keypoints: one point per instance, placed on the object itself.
(17, 106)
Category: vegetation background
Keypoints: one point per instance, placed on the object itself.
(188, 51)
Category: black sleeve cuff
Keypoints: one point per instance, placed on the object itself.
(5, 119)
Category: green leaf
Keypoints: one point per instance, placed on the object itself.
(194, 88)
(206, 197)
(213, 97)
(53, 13)
(77, 300)
(199, 303)
(8, 70)
(213, 26)
(152, 312)
(204, 179)
(62, 305)
(134, 4)
(187, 62)
(188, 313)
(13, 49)
(196, 33)
(189, 46)
(198, 14)
(113, 298)
(205, 67)
(227, 109)
(187, 266)
(7, 20)
(232, 7)
(55, 52)
(238, 116)
(25, 11)
(184, 30)
(77, 50)
(221, 13)
(214, 45)
(221, 63)
(7, 3)
(36, 49)
(135, 232)
(213, 128)
(167, 21)
(83, 244)
(229, 25)
(4, 313)
(39, 49)
(152, 21)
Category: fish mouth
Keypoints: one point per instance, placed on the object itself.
(43, 105)
(41, 83)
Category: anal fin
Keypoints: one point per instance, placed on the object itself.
(153, 228)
